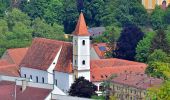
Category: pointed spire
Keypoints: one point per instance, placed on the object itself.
(81, 28)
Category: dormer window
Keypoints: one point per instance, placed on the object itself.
(83, 62)
(83, 42)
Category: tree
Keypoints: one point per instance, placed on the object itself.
(143, 47)
(157, 18)
(158, 55)
(167, 16)
(160, 42)
(4, 5)
(49, 10)
(70, 15)
(42, 29)
(127, 42)
(15, 30)
(82, 88)
(93, 10)
(160, 93)
(14, 16)
(161, 69)
(122, 12)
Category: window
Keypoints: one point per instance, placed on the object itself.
(83, 42)
(130, 98)
(130, 91)
(75, 42)
(42, 79)
(30, 76)
(83, 62)
(25, 75)
(75, 62)
(37, 79)
(56, 82)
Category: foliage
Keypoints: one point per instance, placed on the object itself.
(110, 37)
(160, 42)
(167, 16)
(70, 15)
(98, 97)
(125, 11)
(158, 55)
(143, 47)
(160, 93)
(112, 33)
(157, 18)
(93, 10)
(82, 88)
(159, 69)
(127, 42)
(97, 12)
(17, 30)
(4, 6)
(42, 29)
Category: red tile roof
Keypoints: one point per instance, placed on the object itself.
(138, 80)
(64, 63)
(3, 62)
(81, 28)
(43, 51)
(103, 68)
(17, 54)
(99, 52)
(7, 92)
(8, 69)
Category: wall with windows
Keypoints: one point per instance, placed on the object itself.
(124, 92)
(63, 80)
(81, 55)
(38, 76)
(81, 52)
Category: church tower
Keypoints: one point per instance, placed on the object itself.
(81, 49)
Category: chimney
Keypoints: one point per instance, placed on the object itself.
(126, 77)
(150, 81)
(24, 85)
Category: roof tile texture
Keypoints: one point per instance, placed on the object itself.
(81, 28)
(138, 80)
(7, 92)
(102, 69)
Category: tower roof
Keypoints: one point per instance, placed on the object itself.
(81, 28)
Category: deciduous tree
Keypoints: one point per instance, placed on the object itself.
(82, 88)
(127, 42)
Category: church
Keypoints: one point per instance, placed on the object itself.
(60, 63)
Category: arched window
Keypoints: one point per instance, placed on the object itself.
(56, 82)
(83, 42)
(42, 79)
(37, 79)
(30, 76)
(75, 62)
(83, 62)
